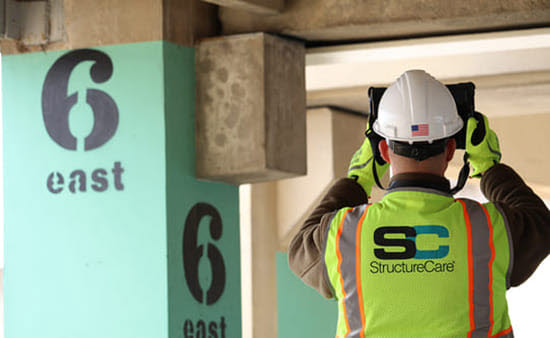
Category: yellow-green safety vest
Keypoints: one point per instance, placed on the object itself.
(420, 263)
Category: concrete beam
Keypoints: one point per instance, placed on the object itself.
(250, 109)
(510, 69)
(108, 22)
(262, 7)
(333, 20)
(496, 96)
(471, 55)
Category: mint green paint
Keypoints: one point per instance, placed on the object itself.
(94, 264)
(302, 312)
(183, 191)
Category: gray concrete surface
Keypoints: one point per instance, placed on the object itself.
(250, 115)
(381, 19)
(262, 7)
(108, 22)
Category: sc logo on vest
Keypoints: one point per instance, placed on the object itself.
(409, 242)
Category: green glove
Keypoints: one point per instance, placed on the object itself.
(360, 167)
(482, 145)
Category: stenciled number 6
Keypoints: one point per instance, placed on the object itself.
(57, 103)
(193, 253)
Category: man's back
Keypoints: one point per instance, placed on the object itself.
(419, 263)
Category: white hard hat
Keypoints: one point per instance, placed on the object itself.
(417, 108)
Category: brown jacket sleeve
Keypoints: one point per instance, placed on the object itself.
(305, 254)
(527, 216)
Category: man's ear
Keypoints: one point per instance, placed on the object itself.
(384, 150)
(451, 147)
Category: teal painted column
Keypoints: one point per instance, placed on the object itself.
(107, 231)
(301, 311)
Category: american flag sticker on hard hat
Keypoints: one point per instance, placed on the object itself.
(420, 129)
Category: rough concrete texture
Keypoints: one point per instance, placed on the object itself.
(107, 22)
(250, 115)
(263, 7)
(377, 19)
(32, 22)
(102, 22)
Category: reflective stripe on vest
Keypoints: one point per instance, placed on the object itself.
(347, 240)
(481, 254)
(510, 245)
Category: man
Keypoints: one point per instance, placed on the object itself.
(420, 263)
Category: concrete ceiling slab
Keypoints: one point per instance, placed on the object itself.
(340, 20)
(510, 69)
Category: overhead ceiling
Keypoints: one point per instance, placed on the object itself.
(337, 21)
(511, 70)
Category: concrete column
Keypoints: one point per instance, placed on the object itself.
(259, 243)
(108, 233)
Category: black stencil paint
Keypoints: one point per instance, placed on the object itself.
(57, 103)
(192, 253)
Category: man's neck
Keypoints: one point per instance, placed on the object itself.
(429, 171)
(422, 180)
